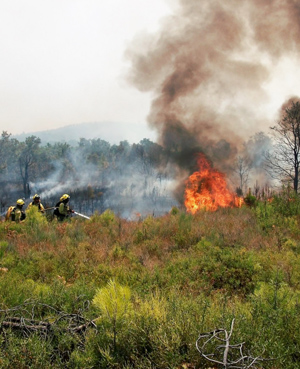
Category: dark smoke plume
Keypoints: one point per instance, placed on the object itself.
(206, 68)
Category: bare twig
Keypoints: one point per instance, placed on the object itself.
(228, 355)
(24, 318)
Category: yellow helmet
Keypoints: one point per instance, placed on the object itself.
(20, 202)
(36, 196)
(64, 197)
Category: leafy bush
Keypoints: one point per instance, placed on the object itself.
(250, 200)
(286, 202)
(150, 287)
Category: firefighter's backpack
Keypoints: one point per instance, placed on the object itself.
(56, 211)
(8, 213)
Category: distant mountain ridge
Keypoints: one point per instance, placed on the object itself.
(111, 132)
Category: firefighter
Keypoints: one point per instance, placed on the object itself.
(16, 213)
(36, 201)
(62, 209)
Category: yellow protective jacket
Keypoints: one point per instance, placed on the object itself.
(39, 205)
(64, 209)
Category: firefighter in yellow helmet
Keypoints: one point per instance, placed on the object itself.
(16, 213)
(36, 201)
(62, 209)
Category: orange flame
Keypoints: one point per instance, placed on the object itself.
(207, 189)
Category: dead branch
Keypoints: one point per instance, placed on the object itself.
(23, 318)
(225, 354)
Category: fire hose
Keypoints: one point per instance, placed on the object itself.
(81, 215)
(73, 212)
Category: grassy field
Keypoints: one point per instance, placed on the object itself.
(112, 293)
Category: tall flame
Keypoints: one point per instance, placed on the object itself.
(207, 189)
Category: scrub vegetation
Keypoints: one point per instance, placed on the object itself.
(113, 293)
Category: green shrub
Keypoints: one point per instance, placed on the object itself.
(3, 247)
(114, 304)
(266, 215)
(286, 202)
(35, 220)
(227, 268)
(250, 200)
(107, 218)
(178, 275)
(31, 352)
(174, 211)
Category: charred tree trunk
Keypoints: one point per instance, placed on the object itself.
(25, 178)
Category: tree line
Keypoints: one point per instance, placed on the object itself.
(130, 177)
(87, 170)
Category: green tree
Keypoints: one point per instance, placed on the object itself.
(114, 303)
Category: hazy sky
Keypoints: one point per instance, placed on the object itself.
(62, 61)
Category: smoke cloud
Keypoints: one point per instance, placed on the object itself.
(207, 68)
(129, 186)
